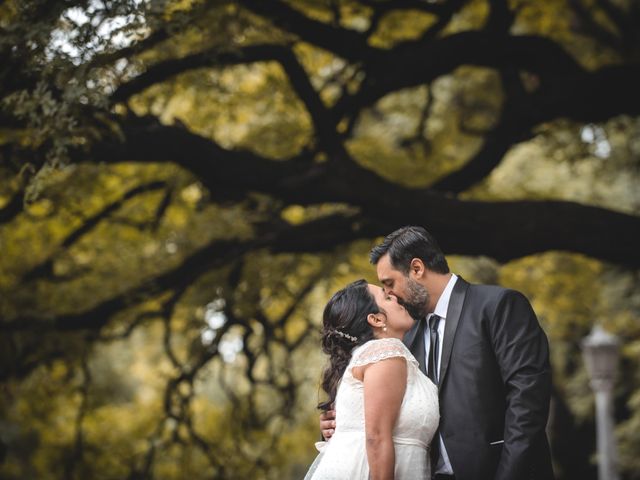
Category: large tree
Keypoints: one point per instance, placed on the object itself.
(206, 172)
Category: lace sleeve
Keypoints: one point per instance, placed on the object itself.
(377, 350)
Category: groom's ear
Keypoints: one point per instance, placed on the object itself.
(417, 268)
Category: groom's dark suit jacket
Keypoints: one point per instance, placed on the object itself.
(495, 385)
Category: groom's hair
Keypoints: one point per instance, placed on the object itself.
(408, 243)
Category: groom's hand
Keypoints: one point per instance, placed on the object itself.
(328, 423)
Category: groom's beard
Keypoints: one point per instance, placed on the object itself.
(417, 300)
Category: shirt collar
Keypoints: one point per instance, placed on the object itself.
(443, 302)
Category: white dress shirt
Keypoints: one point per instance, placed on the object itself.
(444, 464)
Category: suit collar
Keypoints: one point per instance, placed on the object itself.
(410, 338)
(456, 302)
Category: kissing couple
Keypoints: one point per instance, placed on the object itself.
(430, 376)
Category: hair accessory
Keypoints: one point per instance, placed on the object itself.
(346, 335)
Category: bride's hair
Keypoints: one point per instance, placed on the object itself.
(344, 326)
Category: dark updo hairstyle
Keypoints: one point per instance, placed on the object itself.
(344, 326)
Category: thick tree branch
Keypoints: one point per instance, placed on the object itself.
(588, 97)
(510, 130)
(324, 123)
(420, 5)
(347, 44)
(147, 43)
(500, 17)
(415, 63)
(12, 208)
(223, 172)
(502, 230)
(218, 170)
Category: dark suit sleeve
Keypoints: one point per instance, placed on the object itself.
(522, 353)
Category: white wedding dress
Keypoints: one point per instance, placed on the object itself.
(344, 456)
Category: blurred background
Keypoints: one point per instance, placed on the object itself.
(184, 183)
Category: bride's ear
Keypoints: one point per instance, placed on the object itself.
(374, 320)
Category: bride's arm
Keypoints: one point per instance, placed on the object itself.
(384, 386)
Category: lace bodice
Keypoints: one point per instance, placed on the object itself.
(345, 456)
(419, 414)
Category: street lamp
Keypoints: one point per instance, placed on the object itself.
(600, 350)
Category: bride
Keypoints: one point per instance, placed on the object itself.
(386, 409)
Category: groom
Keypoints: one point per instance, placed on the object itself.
(482, 345)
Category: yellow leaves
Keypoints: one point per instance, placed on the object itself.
(555, 19)
(475, 269)
(252, 80)
(173, 7)
(296, 447)
(392, 140)
(545, 17)
(8, 12)
(192, 194)
(557, 164)
(118, 435)
(294, 214)
(244, 106)
(472, 17)
(24, 137)
(326, 71)
(627, 436)
(632, 349)
(398, 26)
(563, 289)
(111, 126)
(59, 371)
(117, 424)
(317, 10)
(121, 245)
(40, 209)
(294, 328)
(44, 414)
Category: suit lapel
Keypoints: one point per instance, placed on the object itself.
(415, 344)
(410, 337)
(456, 302)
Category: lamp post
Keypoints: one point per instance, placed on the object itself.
(600, 350)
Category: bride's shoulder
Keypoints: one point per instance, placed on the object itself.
(381, 348)
(390, 342)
